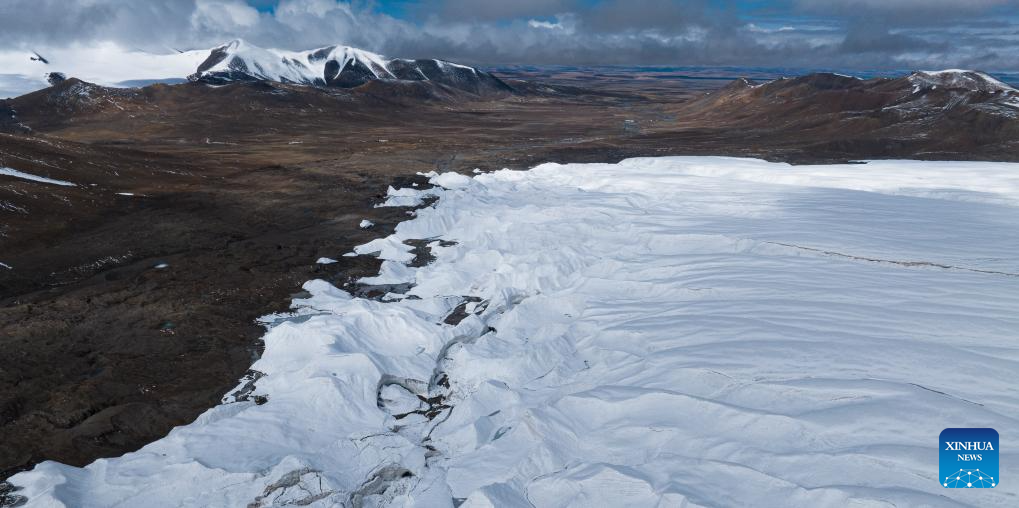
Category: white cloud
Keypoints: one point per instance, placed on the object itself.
(534, 23)
(754, 28)
(318, 8)
(224, 16)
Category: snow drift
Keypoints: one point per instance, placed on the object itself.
(658, 332)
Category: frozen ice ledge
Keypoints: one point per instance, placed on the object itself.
(658, 332)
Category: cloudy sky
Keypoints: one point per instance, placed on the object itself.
(850, 34)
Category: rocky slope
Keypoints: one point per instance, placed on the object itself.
(920, 94)
(9, 122)
(928, 114)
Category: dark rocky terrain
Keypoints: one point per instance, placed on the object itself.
(959, 115)
(130, 302)
(9, 120)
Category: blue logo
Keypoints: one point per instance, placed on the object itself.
(969, 458)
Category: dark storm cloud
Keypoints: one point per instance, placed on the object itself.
(622, 15)
(863, 38)
(913, 7)
(460, 10)
(808, 33)
(68, 21)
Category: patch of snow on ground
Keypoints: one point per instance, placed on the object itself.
(28, 176)
(686, 331)
(365, 224)
(325, 261)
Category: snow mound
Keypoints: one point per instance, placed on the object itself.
(451, 180)
(659, 332)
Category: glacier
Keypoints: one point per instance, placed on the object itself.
(679, 331)
(106, 64)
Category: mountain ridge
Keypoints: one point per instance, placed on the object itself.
(336, 66)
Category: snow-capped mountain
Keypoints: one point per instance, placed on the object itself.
(339, 66)
(823, 100)
(941, 114)
(957, 78)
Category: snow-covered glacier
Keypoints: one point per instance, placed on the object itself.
(684, 331)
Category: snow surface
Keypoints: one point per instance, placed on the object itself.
(406, 196)
(267, 64)
(365, 224)
(35, 178)
(106, 64)
(660, 332)
(451, 180)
